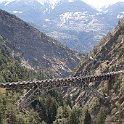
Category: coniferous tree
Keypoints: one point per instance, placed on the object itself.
(87, 119)
(100, 117)
(75, 116)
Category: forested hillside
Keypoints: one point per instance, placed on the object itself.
(11, 68)
(37, 49)
(18, 42)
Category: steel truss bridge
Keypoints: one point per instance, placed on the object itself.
(40, 88)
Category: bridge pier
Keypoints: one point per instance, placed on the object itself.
(111, 81)
(37, 88)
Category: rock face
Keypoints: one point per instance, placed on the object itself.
(35, 48)
(106, 56)
(106, 51)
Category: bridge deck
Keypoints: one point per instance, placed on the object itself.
(60, 81)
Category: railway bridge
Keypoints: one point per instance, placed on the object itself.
(39, 88)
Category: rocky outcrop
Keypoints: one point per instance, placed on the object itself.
(107, 56)
(105, 50)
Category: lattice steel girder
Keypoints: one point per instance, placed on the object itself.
(60, 81)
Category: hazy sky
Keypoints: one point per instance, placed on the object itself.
(94, 3)
(100, 3)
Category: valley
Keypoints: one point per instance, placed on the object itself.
(36, 49)
(75, 24)
(61, 62)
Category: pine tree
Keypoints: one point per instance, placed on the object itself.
(75, 116)
(87, 119)
(100, 117)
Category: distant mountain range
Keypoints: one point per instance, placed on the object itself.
(74, 23)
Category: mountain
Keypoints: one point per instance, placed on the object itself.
(54, 107)
(74, 23)
(114, 13)
(105, 57)
(80, 26)
(36, 49)
(11, 68)
(71, 6)
(29, 11)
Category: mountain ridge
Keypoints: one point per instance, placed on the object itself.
(36, 48)
(57, 20)
(107, 56)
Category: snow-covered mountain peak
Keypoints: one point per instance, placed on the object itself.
(51, 3)
(7, 2)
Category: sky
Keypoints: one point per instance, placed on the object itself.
(94, 3)
(101, 3)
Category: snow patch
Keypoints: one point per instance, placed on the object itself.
(106, 11)
(52, 3)
(71, 1)
(72, 16)
(6, 2)
(17, 12)
(99, 13)
(119, 16)
(47, 20)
